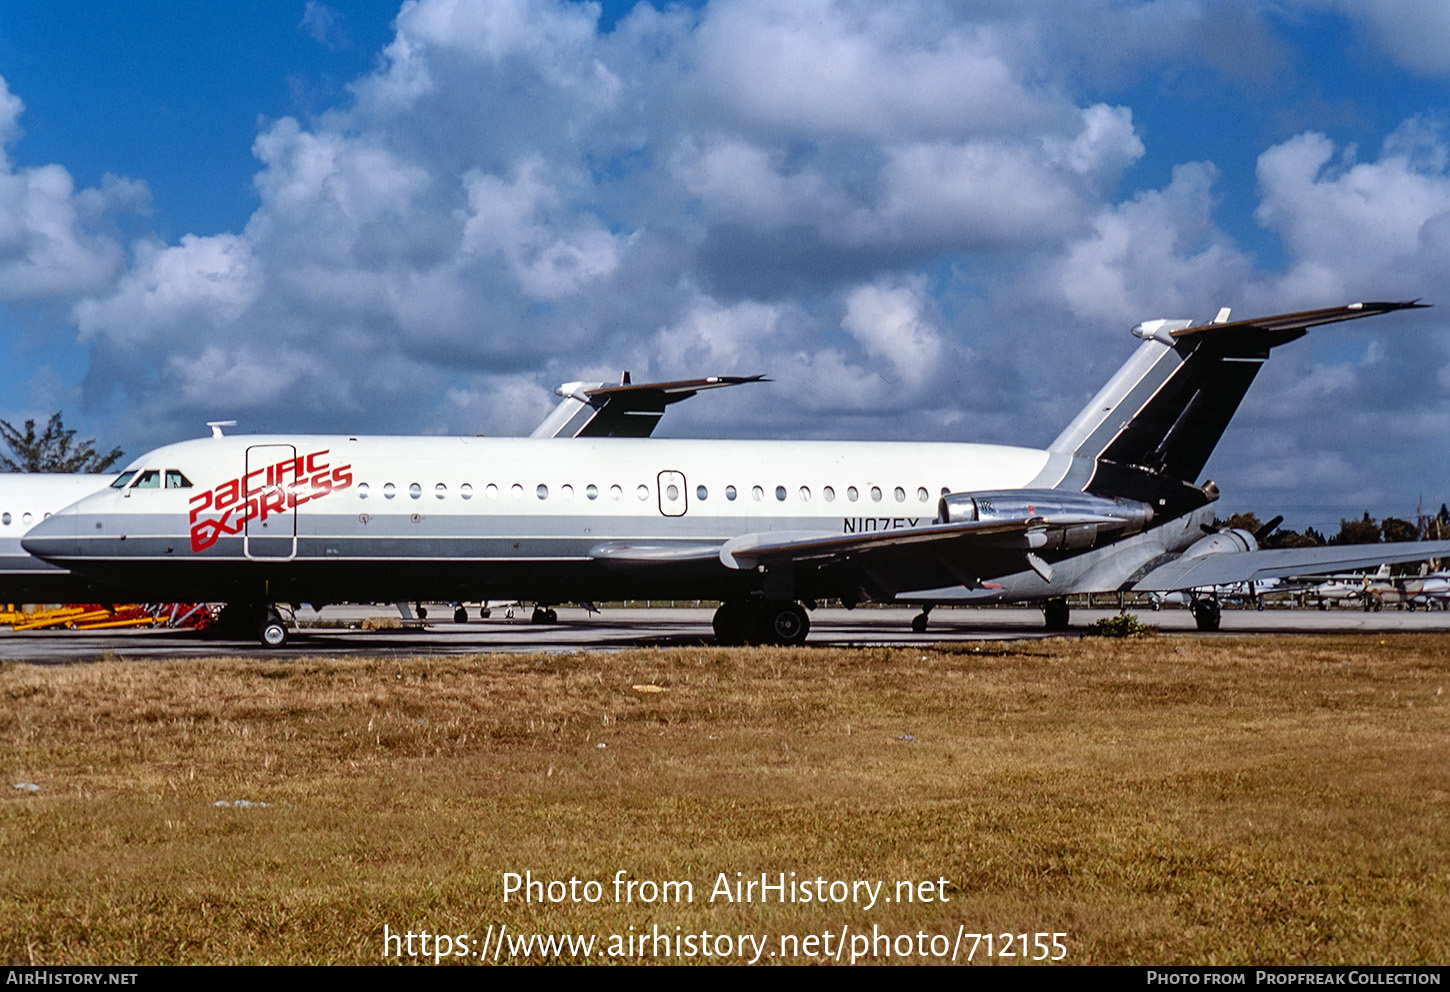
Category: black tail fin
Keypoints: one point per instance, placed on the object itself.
(1160, 417)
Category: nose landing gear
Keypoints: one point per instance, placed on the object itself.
(263, 621)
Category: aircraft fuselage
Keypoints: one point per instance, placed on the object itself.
(335, 518)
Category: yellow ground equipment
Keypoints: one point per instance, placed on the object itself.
(94, 616)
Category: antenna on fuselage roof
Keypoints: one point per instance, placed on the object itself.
(217, 425)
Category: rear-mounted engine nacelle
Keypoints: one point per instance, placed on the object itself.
(1079, 520)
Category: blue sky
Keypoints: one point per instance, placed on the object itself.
(924, 220)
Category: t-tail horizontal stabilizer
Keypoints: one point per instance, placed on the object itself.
(594, 409)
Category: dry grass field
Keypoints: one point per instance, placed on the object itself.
(1157, 800)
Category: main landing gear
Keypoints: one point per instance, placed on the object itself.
(761, 621)
(460, 612)
(1055, 614)
(1206, 614)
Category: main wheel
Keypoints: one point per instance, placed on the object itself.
(732, 624)
(784, 623)
(918, 623)
(1055, 614)
(1206, 615)
(460, 615)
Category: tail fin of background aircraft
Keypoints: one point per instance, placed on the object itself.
(626, 410)
(1159, 418)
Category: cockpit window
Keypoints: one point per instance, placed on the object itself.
(150, 479)
(175, 480)
(125, 478)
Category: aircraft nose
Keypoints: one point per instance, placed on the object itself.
(53, 537)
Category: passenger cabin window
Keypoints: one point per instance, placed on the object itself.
(175, 480)
(150, 479)
(125, 478)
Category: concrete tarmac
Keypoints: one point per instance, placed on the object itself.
(341, 633)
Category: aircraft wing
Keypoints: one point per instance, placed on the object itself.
(1278, 563)
(778, 548)
(962, 555)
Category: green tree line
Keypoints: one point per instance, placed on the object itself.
(1365, 530)
(54, 449)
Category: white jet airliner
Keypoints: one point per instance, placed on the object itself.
(26, 498)
(761, 526)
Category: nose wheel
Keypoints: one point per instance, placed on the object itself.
(263, 621)
(273, 633)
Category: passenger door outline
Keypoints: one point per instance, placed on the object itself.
(271, 533)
